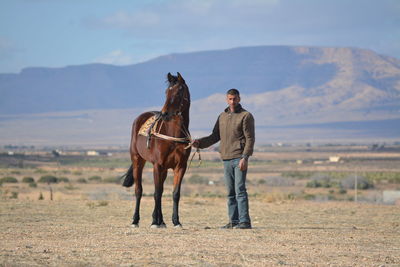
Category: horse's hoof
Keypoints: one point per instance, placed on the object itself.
(134, 225)
(156, 226)
(178, 226)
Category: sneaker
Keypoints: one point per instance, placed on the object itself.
(243, 225)
(229, 226)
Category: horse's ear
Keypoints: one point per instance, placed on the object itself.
(180, 78)
(170, 78)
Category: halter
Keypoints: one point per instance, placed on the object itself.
(155, 130)
(166, 115)
(187, 139)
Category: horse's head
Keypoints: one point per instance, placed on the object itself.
(177, 96)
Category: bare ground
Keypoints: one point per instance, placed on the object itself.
(296, 233)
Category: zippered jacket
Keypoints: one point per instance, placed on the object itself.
(236, 132)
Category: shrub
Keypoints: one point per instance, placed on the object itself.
(50, 179)
(313, 184)
(321, 180)
(297, 174)
(33, 185)
(82, 181)
(309, 197)
(28, 180)
(41, 196)
(342, 191)
(63, 179)
(95, 178)
(362, 183)
(8, 179)
(391, 177)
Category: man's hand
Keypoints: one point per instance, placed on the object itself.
(196, 143)
(243, 164)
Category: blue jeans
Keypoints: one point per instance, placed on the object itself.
(235, 181)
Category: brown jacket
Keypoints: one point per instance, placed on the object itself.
(235, 131)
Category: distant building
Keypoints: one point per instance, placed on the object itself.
(334, 159)
(92, 153)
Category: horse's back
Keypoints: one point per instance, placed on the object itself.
(137, 123)
(140, 120)
(153, 149)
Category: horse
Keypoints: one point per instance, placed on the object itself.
(167, 146)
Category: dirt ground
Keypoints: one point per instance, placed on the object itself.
(292, 233)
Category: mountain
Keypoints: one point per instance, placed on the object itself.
(286, 88)
(339, 74)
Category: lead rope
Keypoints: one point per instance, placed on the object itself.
(197, 151)
(186, 132)
(177, 139)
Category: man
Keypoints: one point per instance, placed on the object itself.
(235, 129)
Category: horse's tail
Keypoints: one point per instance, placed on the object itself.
(128, 181)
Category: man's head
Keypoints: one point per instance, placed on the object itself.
(232, 98)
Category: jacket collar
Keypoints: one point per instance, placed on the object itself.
(238, 109)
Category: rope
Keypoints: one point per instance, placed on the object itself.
(187, 139)
(171, 138)
(197, 151)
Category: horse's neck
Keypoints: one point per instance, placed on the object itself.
(185, 119)
(176, 127)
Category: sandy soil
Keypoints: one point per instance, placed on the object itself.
(98, 233)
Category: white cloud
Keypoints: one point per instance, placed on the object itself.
(190, 25)
(189, 15)
(116, 57)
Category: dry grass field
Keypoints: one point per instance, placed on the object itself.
(88, 221)
(293, 233)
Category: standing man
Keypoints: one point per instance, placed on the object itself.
(235, 129)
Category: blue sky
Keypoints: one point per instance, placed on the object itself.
(57, 33)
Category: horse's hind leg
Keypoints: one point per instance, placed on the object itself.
(138, 164)
(160, 174)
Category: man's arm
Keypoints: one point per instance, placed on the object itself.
(249, 134)
(209, 140)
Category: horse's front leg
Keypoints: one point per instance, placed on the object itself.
(160, 174)
(138, 164)
(179, 172)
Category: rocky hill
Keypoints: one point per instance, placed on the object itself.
(283, 86)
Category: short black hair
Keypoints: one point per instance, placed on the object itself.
(233, 91)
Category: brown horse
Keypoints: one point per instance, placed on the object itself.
(167, 150)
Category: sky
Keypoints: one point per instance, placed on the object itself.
(58, 33)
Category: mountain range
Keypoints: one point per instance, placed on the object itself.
(294, 92)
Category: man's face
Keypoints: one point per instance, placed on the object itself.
(232, 100)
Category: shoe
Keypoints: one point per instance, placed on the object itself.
(243, 225)
(229, 226)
